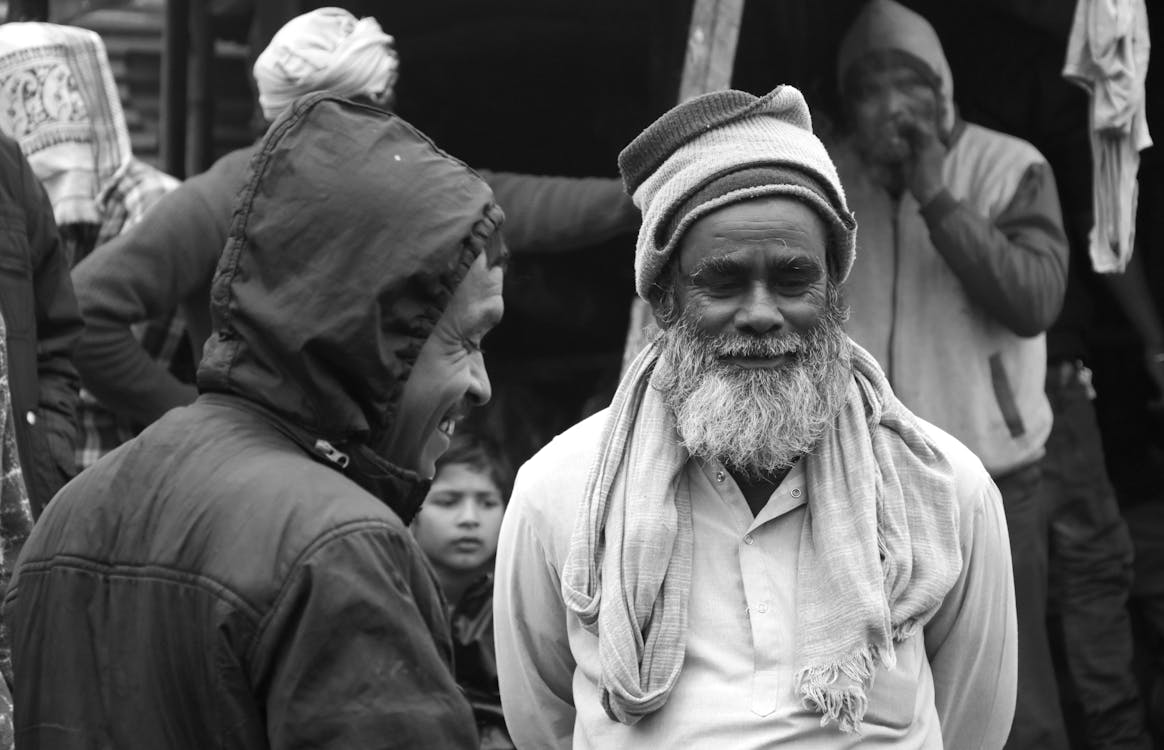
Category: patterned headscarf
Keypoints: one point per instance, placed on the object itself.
(62, 105)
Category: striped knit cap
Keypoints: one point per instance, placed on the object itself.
(726, 147)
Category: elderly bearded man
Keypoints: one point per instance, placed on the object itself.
(756, 543)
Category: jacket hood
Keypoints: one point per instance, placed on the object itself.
(887, 26)
(348, 240)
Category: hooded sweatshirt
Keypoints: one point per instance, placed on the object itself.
(241, 574)
(953, 297)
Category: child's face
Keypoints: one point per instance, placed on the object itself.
(458, 524)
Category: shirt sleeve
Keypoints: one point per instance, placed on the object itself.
(139, 276)
(1016, 266)
(972, 641)
(557, 214)
(356, 652)
(534, 663)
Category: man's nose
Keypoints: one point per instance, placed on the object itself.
(480, 389)
(894, 103)
(759, 314)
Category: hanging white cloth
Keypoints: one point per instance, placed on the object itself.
(1107, 54)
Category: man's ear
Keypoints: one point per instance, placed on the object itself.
(664, 307)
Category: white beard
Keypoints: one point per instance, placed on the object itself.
(756, 421)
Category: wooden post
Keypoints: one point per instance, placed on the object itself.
(201, 99)
(28, 10)
(175, 49)
(711, 47)
(707, 66)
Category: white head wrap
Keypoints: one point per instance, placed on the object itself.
(327, 49)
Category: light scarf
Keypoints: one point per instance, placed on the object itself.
(879, 549)
(327, 49)
(63, 107)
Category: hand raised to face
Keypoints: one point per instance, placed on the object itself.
(927, 153)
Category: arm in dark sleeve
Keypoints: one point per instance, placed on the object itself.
(58, 329)
(138, 276)
(556, 214)
(1014, 267)
(357, 652)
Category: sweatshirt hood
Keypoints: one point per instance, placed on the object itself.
(885, 26)
(348, 240)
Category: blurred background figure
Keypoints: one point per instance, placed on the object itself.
(39, 326)
(457, 528)
(963, 268)
(63, 106)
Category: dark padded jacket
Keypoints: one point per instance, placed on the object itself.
(43, 325)
(239, 575)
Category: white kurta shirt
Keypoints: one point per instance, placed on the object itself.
(736, 690)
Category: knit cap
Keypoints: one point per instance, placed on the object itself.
(327, 49)
(726, 147)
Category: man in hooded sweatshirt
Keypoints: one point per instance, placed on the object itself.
(168, 260)
(241, 574)
(963, 266)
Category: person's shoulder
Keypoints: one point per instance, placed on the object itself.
(15, 174)
(970, 477)
(568, 456)
(10, 157)
(225, 177)
(235, 162)
(550, 485)
(1005, 148)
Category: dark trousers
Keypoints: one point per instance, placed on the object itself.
(1038, 720)
(1091, 569)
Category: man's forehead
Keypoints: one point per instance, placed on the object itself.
(781, 225)
(892, 66)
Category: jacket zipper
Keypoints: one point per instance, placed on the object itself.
(331, 453)
(892, 356)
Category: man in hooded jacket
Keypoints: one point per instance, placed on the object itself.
(241, 574)
(963, 267)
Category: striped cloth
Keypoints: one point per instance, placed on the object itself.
(879, 549)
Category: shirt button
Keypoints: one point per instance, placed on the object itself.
(748, 539)
(30, 417)
(761, 607)
(720, 476)
(796, 492)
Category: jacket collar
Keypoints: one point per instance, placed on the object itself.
(402, 490)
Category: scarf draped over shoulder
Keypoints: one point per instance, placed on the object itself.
(879, 549)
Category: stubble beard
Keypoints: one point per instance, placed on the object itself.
(755, 421)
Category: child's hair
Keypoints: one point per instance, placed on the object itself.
(482, 453)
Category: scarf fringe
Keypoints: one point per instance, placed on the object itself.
(843, 705)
